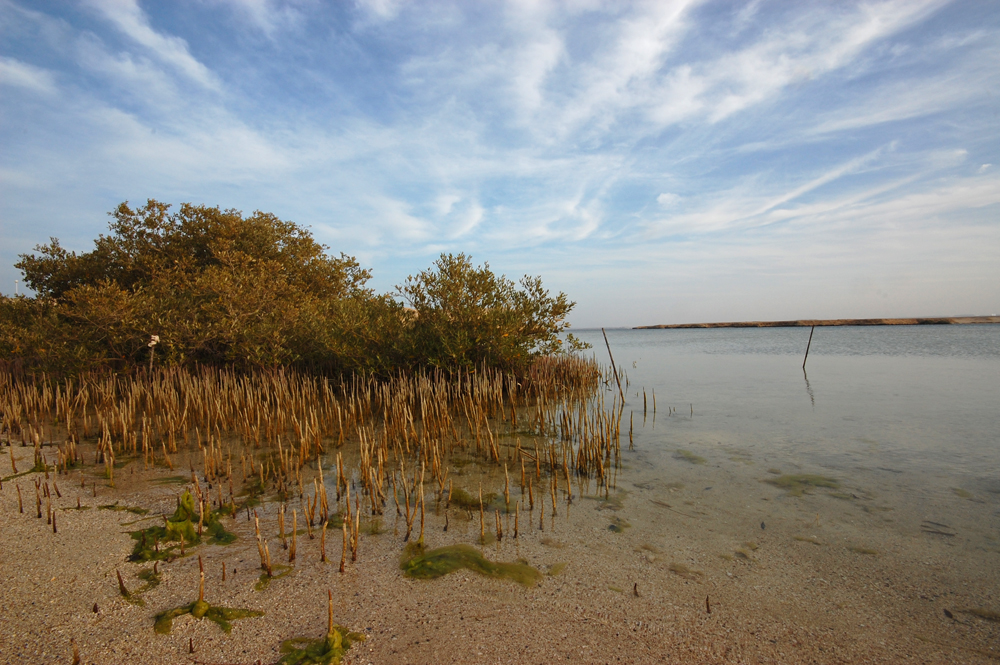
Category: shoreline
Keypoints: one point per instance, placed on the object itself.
(654, 593)
(807, 323)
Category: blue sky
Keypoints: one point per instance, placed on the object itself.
(660, 163)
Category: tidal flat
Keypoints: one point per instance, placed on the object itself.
(638, 554)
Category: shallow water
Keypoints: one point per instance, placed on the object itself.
(904, 419)
(920, 400)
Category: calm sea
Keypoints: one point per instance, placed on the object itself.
(922, 401)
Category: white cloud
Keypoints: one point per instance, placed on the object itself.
(984, 168)
(384, 10)
(269, 16)
(667, 199)
(468, 220)
(19, 74)
(851, 166)
(129, 18)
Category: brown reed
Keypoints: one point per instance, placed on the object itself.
(343, 554)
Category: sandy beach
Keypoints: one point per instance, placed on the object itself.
(782, 588)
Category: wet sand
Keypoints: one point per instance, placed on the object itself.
(782, 582)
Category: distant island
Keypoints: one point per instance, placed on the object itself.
(806, 323)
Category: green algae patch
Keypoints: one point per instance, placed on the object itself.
(152, 544)
(251, 493)
(613, 502)
(428, 565)
(690, 457)
(618, 525)
(982, 613)
(862, 550)
(801, 483)
(277, 572)
(199, 609)
(557, 568)
(172, 480)
(685, 572)
(151, 579)
(130, 509)
(462, 499)
(327, 650)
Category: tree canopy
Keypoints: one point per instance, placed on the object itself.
(218, 287)
(468, 316)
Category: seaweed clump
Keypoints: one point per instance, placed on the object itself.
(685, 572)
(799, 484)
(200, 609)
(182, 526)
(618, 525)
(326, 650)
(427, 565)
(982, 613)
(131, 509)
(223, 616)
(463, 499)
(323, 651)
(265, 578)
(689, 456)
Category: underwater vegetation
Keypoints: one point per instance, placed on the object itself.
(172, 480)
(463, 499)
(222, 616)
(327, 650)
(862, 550)
(151, 579)
(200, 609)
(277, 572)
(614, 501)
(799, 484)
(685, 572)
(427, 565)
(618, 525)
(131, 509)
(689, 456)
(323, 651)
(182, 526)
(988, 615)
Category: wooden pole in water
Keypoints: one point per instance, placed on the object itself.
(613, 368)
(811, 331)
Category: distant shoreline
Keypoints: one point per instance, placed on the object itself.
(806, 323)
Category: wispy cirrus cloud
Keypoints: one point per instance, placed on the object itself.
(22, 75)
(132, 21)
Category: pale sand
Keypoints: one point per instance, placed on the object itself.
(792, 601)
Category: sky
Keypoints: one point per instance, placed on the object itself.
(664, 162)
